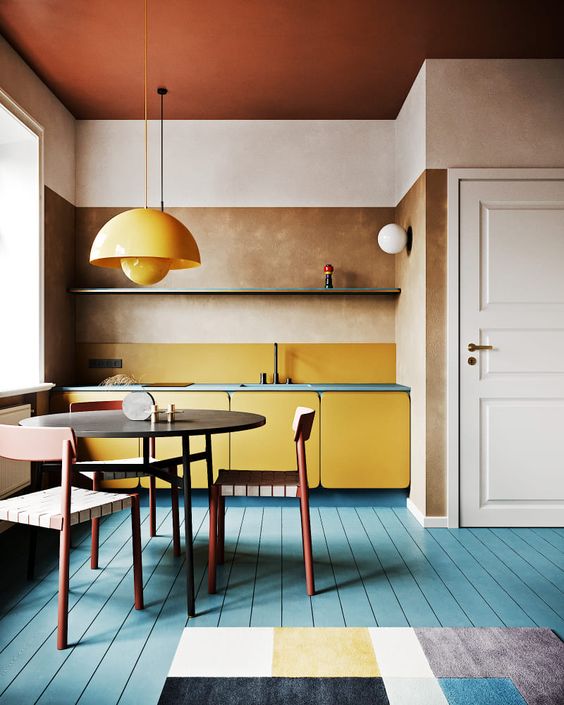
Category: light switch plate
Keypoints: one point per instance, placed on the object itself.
(112, 362)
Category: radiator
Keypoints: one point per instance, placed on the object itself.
(14, 474)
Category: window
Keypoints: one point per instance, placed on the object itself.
(21, 268)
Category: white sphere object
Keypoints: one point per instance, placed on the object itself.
(392, 238)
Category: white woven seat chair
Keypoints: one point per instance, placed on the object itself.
(59, 508)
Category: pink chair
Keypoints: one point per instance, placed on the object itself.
(97, 475)
(255, 483)
(60, 507)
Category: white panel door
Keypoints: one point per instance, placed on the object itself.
(512, 398)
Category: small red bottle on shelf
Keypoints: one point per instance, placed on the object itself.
(328, 269)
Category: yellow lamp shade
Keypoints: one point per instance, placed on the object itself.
(145, 244)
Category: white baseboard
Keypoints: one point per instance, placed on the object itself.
(425, 521)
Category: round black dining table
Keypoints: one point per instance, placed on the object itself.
(187, 423)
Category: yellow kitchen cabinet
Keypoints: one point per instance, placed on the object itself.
(271, 447)
(99, 448)
(170, 447)
(365, 439)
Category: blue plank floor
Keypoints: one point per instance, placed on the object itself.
(373, 565)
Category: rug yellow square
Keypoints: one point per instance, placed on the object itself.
(323, 653)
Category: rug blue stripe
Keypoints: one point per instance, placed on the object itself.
(481, 691)
(470, 600)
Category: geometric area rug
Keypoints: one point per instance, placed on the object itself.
(366, 666)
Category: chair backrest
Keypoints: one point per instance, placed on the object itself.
(110, 405)
(303, 421)
(35, 444)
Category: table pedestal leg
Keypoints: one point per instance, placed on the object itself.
(187, 484)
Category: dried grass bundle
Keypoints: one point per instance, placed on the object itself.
(118, 381)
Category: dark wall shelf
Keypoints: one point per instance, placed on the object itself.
(389, 291)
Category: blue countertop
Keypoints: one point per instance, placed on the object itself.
(247, 388)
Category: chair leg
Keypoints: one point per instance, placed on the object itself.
(136, 544)
(152, 506)
(221, 529)
(306, 542)
(212, 543)
(95, 528)
(36, 475)
(175, 518)
(63, 599)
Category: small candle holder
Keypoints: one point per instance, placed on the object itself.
(170, 413)
(328, 269)
(154, 413)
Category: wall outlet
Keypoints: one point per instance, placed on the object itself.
(97, 363)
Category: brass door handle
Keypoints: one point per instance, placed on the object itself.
(472, 347)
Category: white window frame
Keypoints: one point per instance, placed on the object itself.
(33, 126)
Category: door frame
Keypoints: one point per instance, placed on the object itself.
(455, 177)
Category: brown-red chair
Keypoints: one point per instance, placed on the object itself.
(255, 483)
(109, 474)
(60, 507)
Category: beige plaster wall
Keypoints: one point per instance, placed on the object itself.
(421, 335)
(24, 87)
(250, 247)
(411, 330)
(59, 309)
(216, 163)
(410, 151)
(495, 113)
(435, 344)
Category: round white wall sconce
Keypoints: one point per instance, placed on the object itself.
(392, 238)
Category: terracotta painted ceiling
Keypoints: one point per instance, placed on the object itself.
(264, 59)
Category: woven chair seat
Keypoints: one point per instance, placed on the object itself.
(113, 474)
(258, 483)
(44, 508)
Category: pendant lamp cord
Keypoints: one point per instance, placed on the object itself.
(162, 92)
(145, 106)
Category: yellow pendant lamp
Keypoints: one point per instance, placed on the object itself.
(144, 242)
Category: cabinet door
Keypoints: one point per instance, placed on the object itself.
(99, 448)
(171, 447)
(365, 439)
(272, 447)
